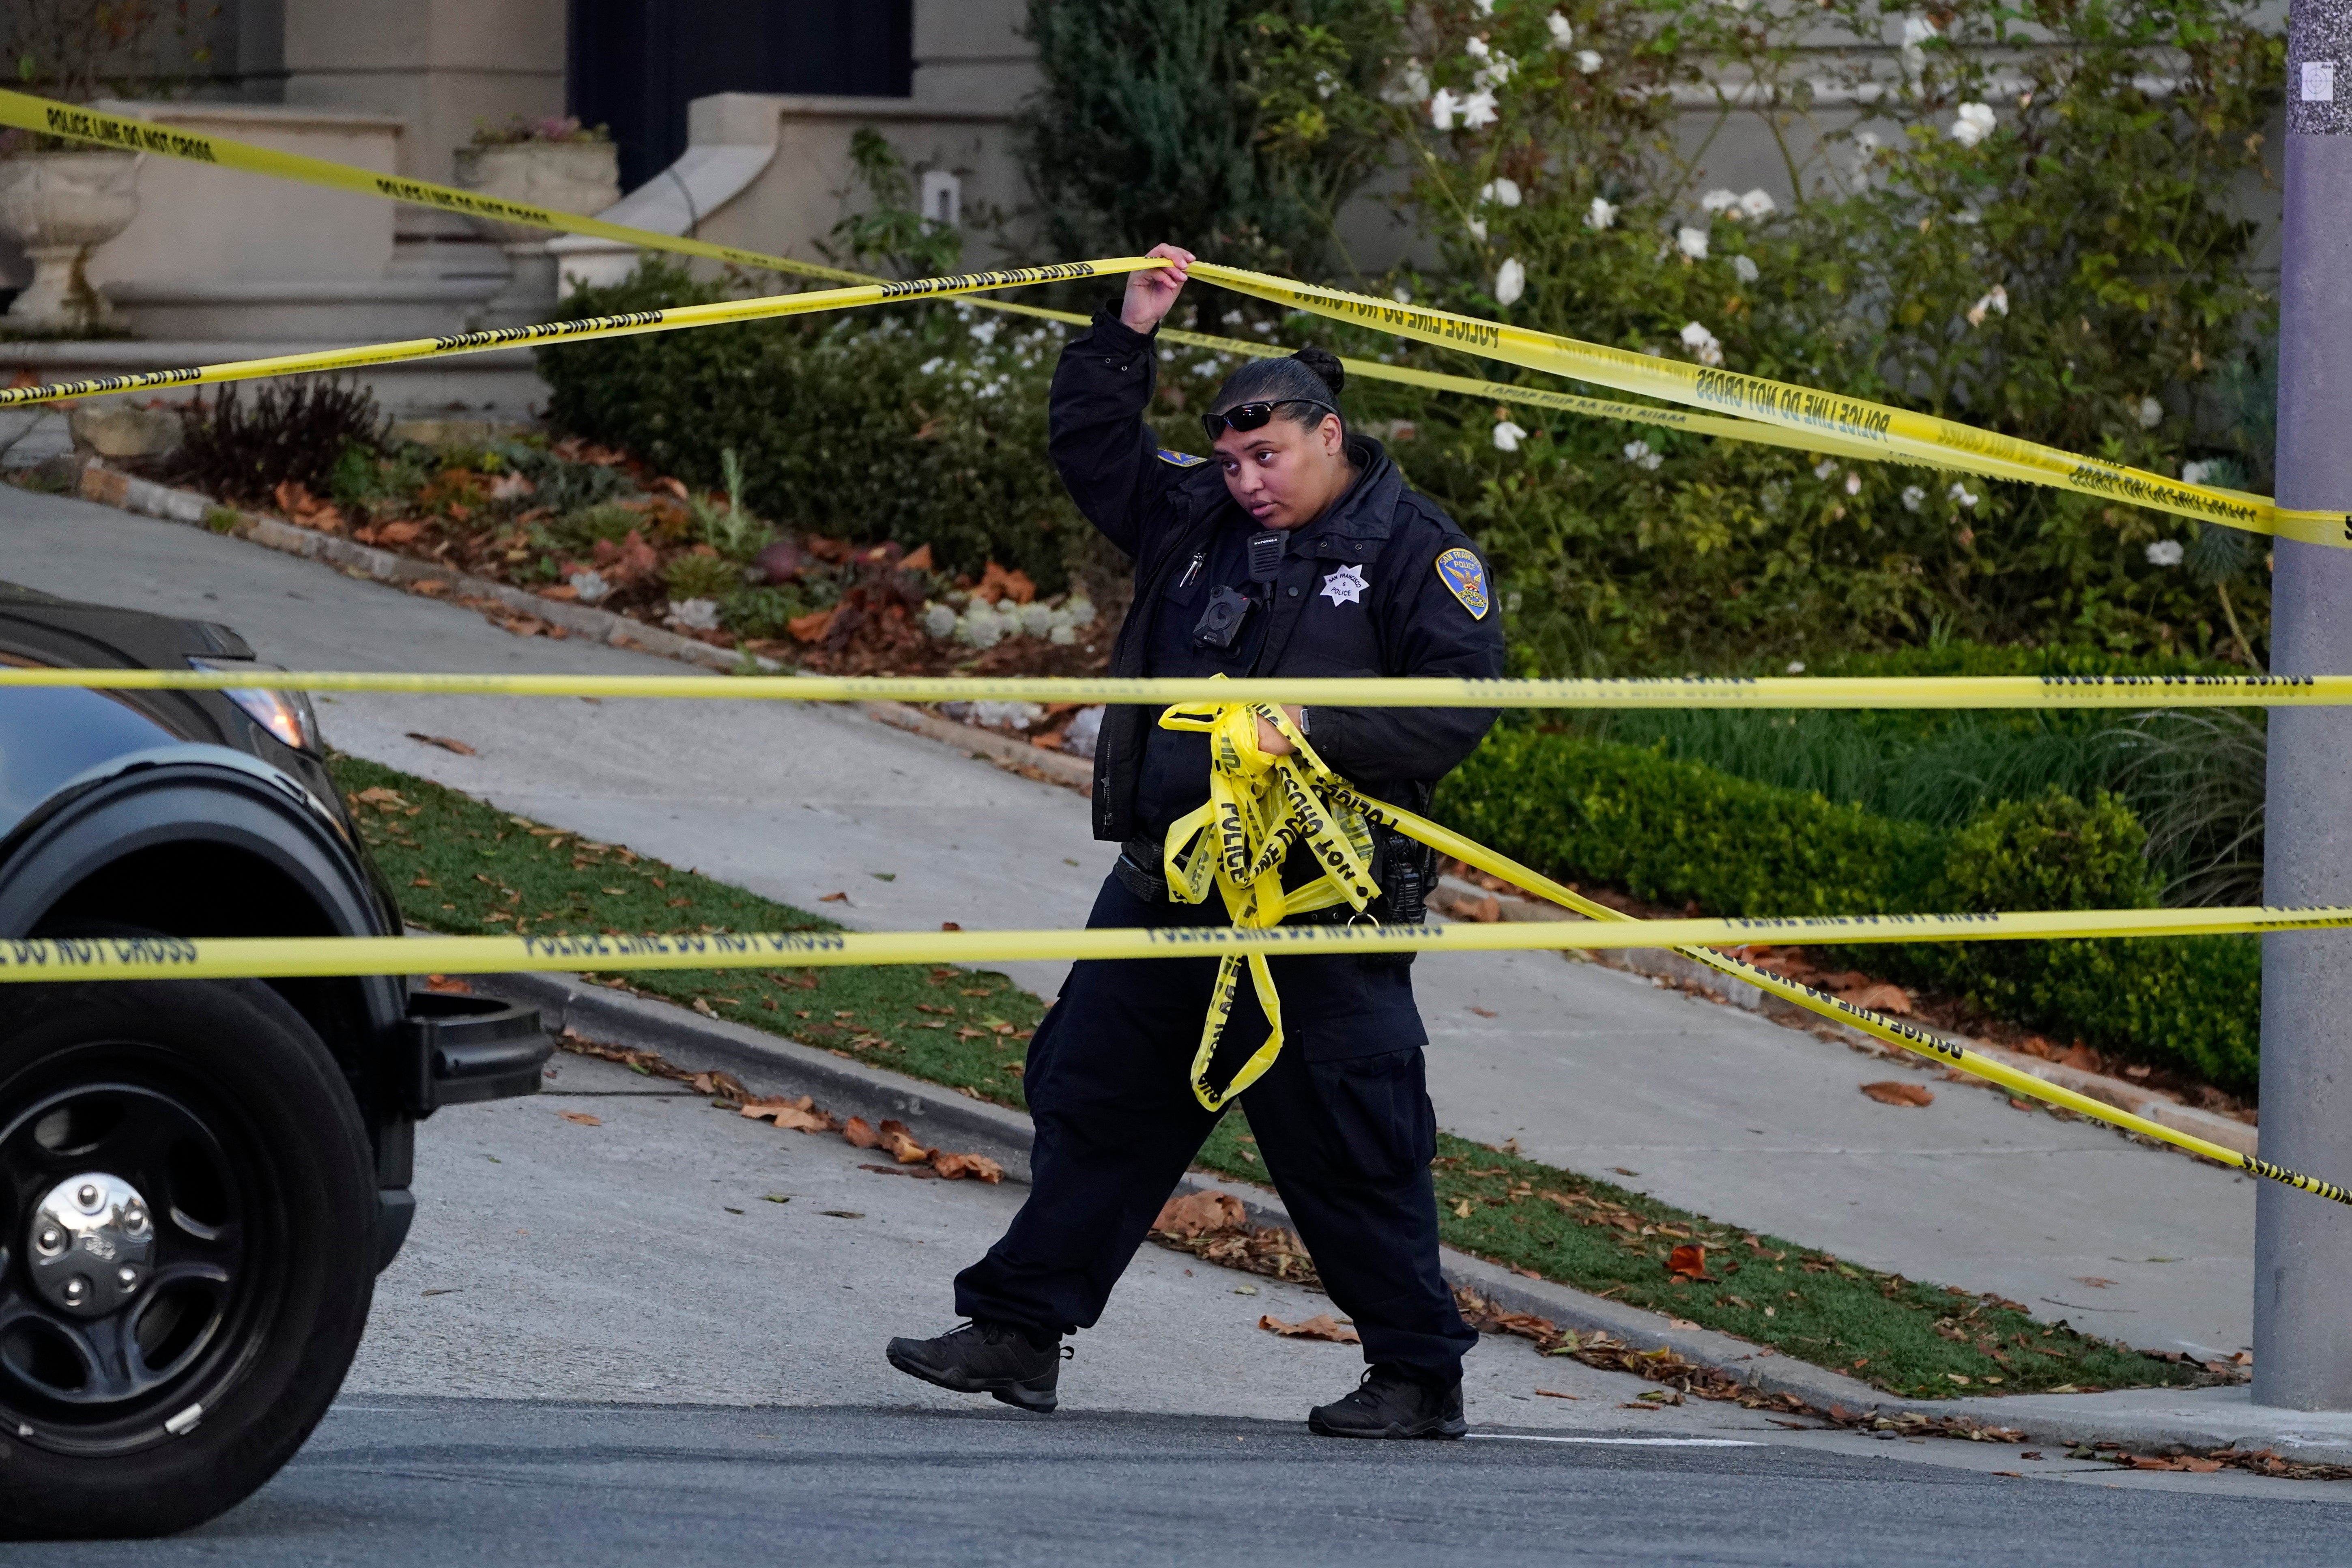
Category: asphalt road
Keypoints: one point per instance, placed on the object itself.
(390, 1482)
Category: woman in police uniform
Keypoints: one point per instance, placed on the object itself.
(1296, 550)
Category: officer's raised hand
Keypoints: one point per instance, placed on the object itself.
(1151, 293)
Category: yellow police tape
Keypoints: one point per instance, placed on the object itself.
(583, 329)
(1937, 691)
(1893, 434)
(64, 960)
(1261, 805)
(1807, 420)
(96, 126)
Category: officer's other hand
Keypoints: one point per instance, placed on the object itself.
(1151, 293)
(1272, 741)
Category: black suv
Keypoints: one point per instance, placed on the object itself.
(199, 1180)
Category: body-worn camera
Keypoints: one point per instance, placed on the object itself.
(1221, 619)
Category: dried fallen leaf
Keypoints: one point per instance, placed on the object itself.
(1889, 1093)
(444, 742)
(1688, 1262)
(1880, 998)
(834, 898)
(785, 1113)
(2093, 1280)
(1201, 1214)
(1555, 1393)
(448, 985)
(896, 1138)
(1483, 1012)
(979, 1167)
(860, 1133)
(583, 1119)
(1321, 1326)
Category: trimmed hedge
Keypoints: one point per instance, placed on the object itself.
(1680, 833)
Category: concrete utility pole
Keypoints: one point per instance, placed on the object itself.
(2303, 1245)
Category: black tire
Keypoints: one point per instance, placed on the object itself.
(222, 1109)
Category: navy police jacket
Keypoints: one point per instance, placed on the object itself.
(1385, 583)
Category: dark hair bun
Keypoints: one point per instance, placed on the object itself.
(1325, 366)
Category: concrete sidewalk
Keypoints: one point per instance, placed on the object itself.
(1750, 1121)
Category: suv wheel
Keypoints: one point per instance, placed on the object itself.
(188, 1213)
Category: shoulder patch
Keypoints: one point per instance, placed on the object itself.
(1180, 460)
(1465, 577)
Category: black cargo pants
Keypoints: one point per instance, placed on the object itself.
(1342, 1119)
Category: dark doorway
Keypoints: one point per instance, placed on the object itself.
(636, 64)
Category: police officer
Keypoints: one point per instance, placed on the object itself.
(1296, 550)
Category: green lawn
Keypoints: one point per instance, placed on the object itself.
(464, 867)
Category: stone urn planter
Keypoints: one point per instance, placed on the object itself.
(61, 206)
(582, 178)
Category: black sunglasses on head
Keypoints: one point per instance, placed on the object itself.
(1254, 415)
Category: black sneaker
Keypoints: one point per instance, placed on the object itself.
(986, 1358)
(1392, 1402)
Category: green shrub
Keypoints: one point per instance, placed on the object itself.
(2081, 273)
(2054, 853)
(581, 530)
(762, 612)
(1219, 124)
(921, 424)
(1682, 834)
(698, 576)
(1677, 833)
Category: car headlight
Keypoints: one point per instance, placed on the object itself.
(285, 714)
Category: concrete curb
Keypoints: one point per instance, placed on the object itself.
(770, 1065)
(1686, 974)
(1009, 752)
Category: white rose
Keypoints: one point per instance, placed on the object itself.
(1744, 268)
(1853, 484)
(1960, 494)
(1563, 36)
(2191, 473)
(2164, 553)
(1477, 227)
(1478, 110)
(2151, 413)
(1508, 436)
(1974, 124)
(1691, 243)
(1704, 345)
(1511, 282)
(1638, 453)
(1601, 214)
(1718, 201)
(1912, 497)
(1996, 299)
(1441, 109)
(1503, 192)
(1587, 61)
(1758, 203)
